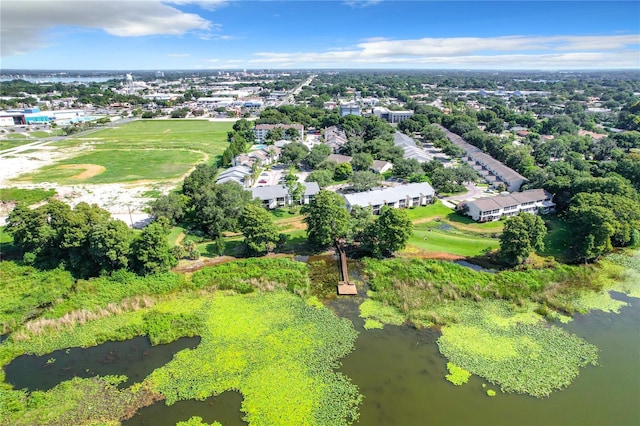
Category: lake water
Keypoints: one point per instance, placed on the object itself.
(401, 374)
(135, 358)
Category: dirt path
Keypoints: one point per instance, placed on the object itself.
(89, 170)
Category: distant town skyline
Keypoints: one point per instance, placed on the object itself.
(298, 34)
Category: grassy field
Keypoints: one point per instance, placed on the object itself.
(198, 135)
(119, 166)
(556, 243)
(140, 150)
(439, 212)
(24, 195)
(13, 142)
(444, 238)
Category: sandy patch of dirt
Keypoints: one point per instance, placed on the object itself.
(88, 170)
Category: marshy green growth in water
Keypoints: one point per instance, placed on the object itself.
(489, 322)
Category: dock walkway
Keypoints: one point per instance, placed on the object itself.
(344, 286)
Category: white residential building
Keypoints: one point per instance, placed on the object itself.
(493, 208)
(277, 196)
(350, 108)
(261, 130)
(397, 197)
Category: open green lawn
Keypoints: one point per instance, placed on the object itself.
(438, 211)
(556, 243)
(119, 166)
(199, 135)
(24, 195)
(12, 143)
(446, 239)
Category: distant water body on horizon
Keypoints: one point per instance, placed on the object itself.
(55, 79)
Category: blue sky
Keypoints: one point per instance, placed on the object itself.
(228, 34)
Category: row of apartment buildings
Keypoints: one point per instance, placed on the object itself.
(398, 197)
(492, 170)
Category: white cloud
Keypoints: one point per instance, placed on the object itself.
(24, 22)
(178, 55)
(518, 52)
(361, 3)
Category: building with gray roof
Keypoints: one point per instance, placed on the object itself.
(276, 196)
(398, 197)
(493, 208)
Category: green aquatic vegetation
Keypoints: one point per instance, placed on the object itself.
(530, 358)
(457, 375)
(197, 421)
(376, 314)
(491, 392)
(278, 351)
(245, 276)
(602, 301)
(164, 327)
(371, 324)
(629, 277)
(91, 401)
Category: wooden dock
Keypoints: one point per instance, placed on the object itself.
(344, 286)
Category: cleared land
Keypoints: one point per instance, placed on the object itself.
(117, 167)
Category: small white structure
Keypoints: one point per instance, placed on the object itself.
(397, 197)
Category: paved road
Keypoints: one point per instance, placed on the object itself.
(290, 98)
(472, 192)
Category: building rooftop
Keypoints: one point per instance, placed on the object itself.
(386, 195)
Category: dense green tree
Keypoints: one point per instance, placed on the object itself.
(592, 228)
(275, 134)
(294, 153)
(496, 126)
(343, 171)
(203, 175)
(260, 233)
(520, 236)
(218, 207)
(364, 180)
(389, 233)
(29, 228)
(327, 219)
(361, 217)
(294, 187)
(292, 134)
(109, 244)
(403, 168)
(171, 206)
(317, 155)
(362, 161)
(151, 251)
(324, 178)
